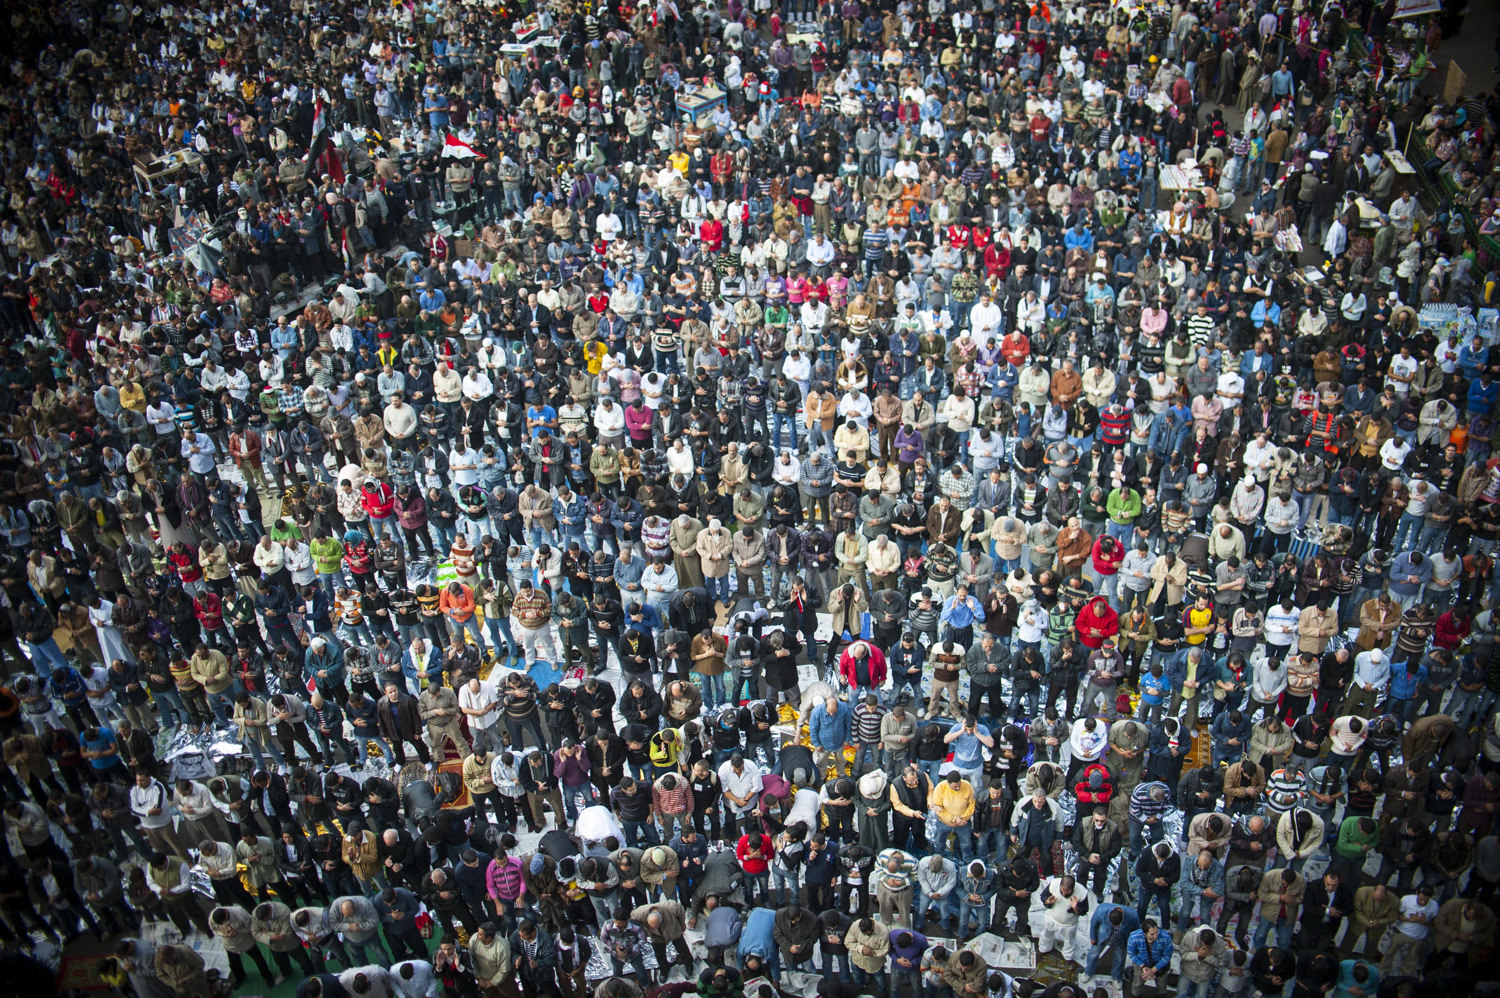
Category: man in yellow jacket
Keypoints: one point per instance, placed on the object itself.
(952, 800)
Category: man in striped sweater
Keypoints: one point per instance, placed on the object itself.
(866, 735)
(1149, 803)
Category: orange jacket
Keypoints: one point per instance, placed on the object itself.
(459, 606)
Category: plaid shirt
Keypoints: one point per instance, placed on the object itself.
(290, 401)
(628, 937)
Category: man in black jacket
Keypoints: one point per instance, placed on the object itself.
(690, 610)
(270, 802)
(442, 895)
(541, 784)
(1097, 842)
(535, 959)
(606, 752)
(607, 619)
(1158, 868)
(402, 862)
(401, 723)
(1199, 791)
(1017, 881)
(1326, 902)
(801, 615)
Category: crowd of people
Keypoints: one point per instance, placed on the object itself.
(487, 415)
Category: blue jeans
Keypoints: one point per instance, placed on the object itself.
(962, 834)
(993, 843)
(571, 794)
(777, 421)
(331, 581)
(980, 914)
(46, 656)
(255, 752)
(173, 711)
(871, 750)
(1028, 699)
(931, 767)
(861, 977)
(471, 626)
(1408, 528)
(220, 704)
(712, 688)
(1197, 989)
(361, 744)
(758, 885)
(946, 906)
(1117, 964)
(1284, 927)
(1163, 899)
(842, 959)
(499, 629)
(637, 832)
(784, 885)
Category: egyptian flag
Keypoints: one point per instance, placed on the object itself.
(322, 157)
(453, 148)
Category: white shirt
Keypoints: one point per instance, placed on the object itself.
(1411, 906)
(470, 700)
(1393, 452)
(1231, 388)
(298, 560)
(681, 461)
(787, 474)
(743, 784)
(1405, 367)
(1085, 745)
(477, 386)
(611, 421)
(984, 319)
(608, 226)
(1281, 625)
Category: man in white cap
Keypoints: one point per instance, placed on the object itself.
(1372, 674)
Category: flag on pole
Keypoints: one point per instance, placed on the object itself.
(455, 149)
(320, 120)
(318, 144)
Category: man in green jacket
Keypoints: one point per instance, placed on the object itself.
(328, 561)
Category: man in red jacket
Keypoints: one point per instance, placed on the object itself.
(863, 667)
(754, 852)
(379, 502)
(1097, 621)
